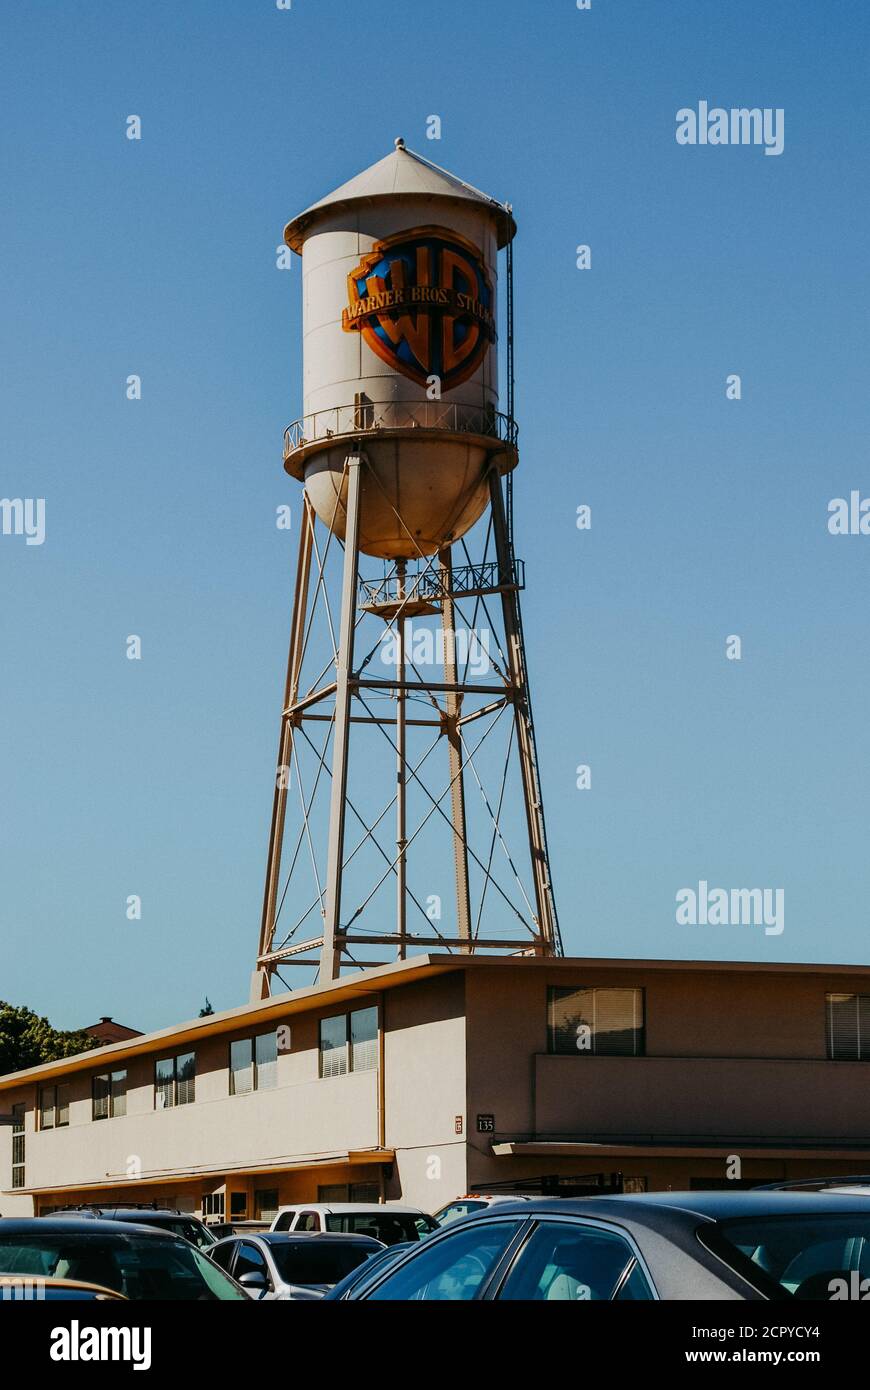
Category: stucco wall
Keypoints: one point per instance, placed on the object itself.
(777, 1021)
(424, 1078)
(304, 1115)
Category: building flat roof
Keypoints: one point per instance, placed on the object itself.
(384, 977)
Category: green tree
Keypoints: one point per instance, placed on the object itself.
(26, 1040)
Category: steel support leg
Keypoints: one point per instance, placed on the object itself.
(260, 987)
(546, 912)
(330, 958)
(454, 742)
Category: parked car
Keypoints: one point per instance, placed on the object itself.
(747, 1246)
(221, 1229)
(179, 1223)
(365, 1273)
(283, 1266)
(849, 1186)
(136, 1261)
(475, 1201)
(388, 1224)
(28, 1288)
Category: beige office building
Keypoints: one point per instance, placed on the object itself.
(441, 1074)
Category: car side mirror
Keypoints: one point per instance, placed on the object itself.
(255, 1281)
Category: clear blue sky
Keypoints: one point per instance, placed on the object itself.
(709, 516)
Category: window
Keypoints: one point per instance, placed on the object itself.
(603, 1022)
(848, 1027)
(266, 1061)
(254, 1064)
(241, 1067)
(635, 1184)
(349, 1042)
(251, 1260)
(334, 1192)
(455, 1210)
(185, 1078)
(222, 1254)
(364, 1192)
(238, 1206)
(393, 1228)
(452, 1269)
(175, 1081)
(214, 1205)
(18, 1113)
(814, 1258)
(333, 1046)
(109, 1095)
(350, 1192)
(265, 1204)
(317, 1262)
(565, 1262)
(364, 1040)
(53, 1107)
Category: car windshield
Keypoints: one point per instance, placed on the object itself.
(814, 1258)
(197, 1234)
(145, 1268)
(360, 1276)
(317, 1262)
(393, 1228)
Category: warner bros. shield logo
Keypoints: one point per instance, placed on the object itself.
(423, 301)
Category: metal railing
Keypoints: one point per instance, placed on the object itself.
(429, 584)
(365, 416)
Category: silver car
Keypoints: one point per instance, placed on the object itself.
(291, 1265)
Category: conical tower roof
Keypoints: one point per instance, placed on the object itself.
(406, 174)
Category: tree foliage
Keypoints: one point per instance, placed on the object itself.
(26, 1040)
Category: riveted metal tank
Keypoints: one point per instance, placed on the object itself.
(399, 275)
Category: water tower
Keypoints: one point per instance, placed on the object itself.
(406, 626)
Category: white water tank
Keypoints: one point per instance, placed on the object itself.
(399, 274)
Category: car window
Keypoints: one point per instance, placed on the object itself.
(456, 1210)
(285, 1221)
(393, 1228)
(150, 1267)
(319, 1263)
(193, 1231)
(454, 1268)
(565, 1261)
(308, 1221)
(810, 1257)
(635, 1288)
(366, 1273)
(250, 1260)
(222, 1255)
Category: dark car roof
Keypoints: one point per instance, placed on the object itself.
(301, 1237)
(648, 1208)
(77, 1225)
(724, 1205)
(123, 1213)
